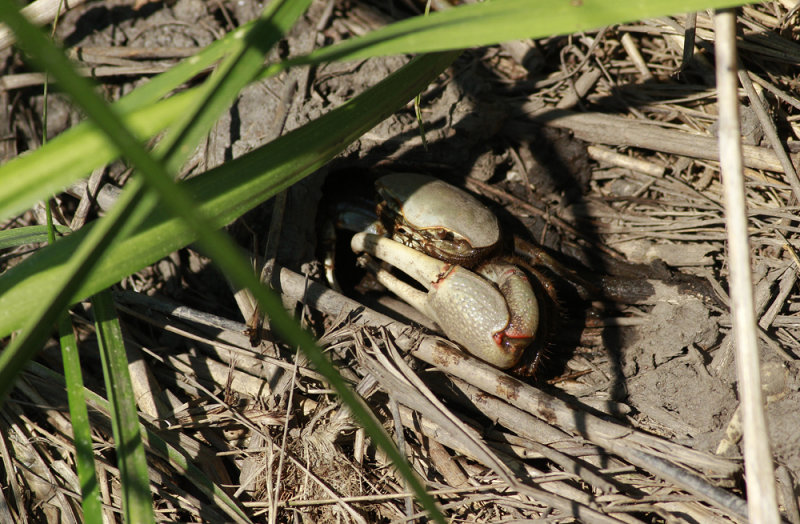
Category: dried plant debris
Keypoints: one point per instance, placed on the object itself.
(599, 146)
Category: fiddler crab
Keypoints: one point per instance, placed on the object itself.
(496, 307)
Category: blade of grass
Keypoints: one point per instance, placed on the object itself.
(137, 503)
(79, 415)
(20, 236)
(79, 418)
(488, 23)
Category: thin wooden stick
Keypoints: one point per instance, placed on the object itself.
(602, 128)
(762, 502)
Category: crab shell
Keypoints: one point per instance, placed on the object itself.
(437, 218)
(469, 309)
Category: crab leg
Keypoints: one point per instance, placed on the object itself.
(408, 293)
(422, 268)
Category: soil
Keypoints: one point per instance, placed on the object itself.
(665, 356)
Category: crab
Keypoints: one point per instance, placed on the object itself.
(451, 244)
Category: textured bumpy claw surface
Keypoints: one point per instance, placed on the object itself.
(438, 219)
(468, 308)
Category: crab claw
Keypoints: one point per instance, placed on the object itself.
(468, 308)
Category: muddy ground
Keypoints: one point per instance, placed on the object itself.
(650, 347)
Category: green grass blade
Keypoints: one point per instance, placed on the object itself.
(137, 503)
(79, 418)
(488, 23)
(20, 236)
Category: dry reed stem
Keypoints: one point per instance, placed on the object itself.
(762, 506)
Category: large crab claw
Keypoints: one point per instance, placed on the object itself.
(469, 309)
